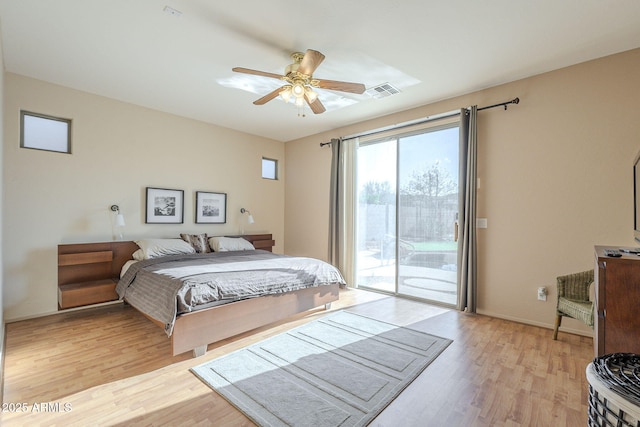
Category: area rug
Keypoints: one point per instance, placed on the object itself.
(340, 370)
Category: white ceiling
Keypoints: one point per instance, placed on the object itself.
(136, 52)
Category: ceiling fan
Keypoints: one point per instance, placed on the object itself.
(300, 82)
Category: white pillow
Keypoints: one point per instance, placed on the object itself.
(138, 255)
(224, 244)
(153, 248)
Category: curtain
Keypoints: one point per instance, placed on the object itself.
(467, 252)
(335, 203)
(342, 207)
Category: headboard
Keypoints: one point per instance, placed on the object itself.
(88, 272)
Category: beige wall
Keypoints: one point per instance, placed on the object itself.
(118, 150)
(555, 173)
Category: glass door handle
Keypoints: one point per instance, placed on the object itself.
(455, 231)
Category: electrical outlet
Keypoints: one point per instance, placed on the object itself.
(542, 293)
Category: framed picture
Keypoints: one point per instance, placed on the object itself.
(211, 208)
(164, 206)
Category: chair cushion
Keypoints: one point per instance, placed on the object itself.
(580, 310)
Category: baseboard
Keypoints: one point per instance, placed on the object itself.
(534, 323)
(66, 310)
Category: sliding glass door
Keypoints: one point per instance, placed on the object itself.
(376, 215)
(407, 207)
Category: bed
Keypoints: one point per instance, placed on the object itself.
(246, 289)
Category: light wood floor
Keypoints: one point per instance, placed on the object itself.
(111, 366)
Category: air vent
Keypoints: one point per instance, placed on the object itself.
(382, 91)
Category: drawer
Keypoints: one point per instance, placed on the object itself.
(85, 293)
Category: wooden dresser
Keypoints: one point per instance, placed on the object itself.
(617, 303)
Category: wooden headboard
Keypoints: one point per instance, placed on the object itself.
(88, 272)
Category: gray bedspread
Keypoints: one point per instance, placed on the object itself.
(164, 287)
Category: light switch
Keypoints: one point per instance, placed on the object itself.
(481, 222)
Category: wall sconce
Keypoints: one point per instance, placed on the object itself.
(250, 218)
(119, 222)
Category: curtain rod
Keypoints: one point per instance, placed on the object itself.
(426, 120)
(502, 104)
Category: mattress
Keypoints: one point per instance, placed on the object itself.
(165, 287)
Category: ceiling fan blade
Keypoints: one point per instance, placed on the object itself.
(316, 106)
(268, 97)
(311, 60)
(256, 72)
(341, 86)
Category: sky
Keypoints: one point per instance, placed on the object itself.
(377, 162)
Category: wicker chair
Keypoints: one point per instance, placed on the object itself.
(573, 299)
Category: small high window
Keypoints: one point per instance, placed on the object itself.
(43, 132)
(269, 168)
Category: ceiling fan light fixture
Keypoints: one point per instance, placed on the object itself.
(299, 101)
(286, 93)
(298, 90)
(311, 94)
